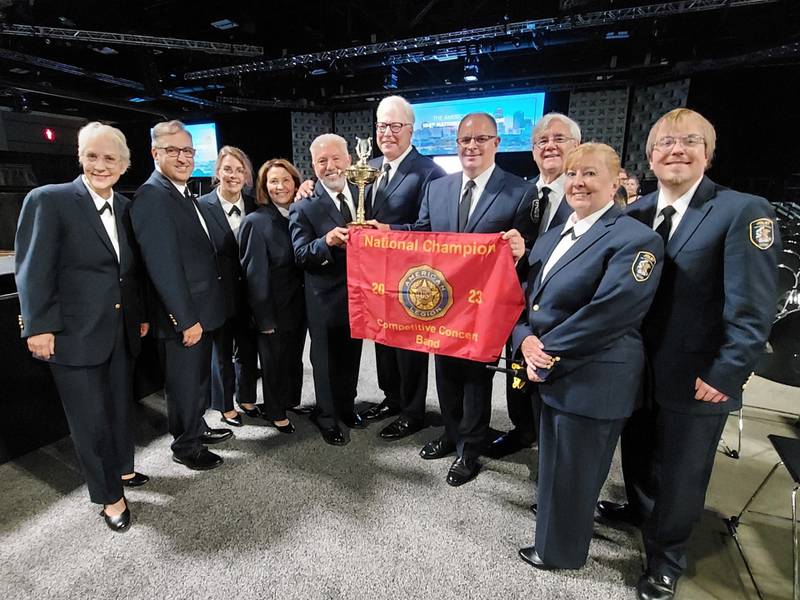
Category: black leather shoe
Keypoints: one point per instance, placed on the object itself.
(118, 523)
(253, 413)
(300, 410)
(288, 428)
(462, 470)
(656, 587)
(354, 421)
(215, 436)
(202, 460)
(400, 428)
(234, 421)
(135, 481)
(379, 411)
(333, 436)
(613, 512)
(504, 445)
(437, 449)
(530, 556)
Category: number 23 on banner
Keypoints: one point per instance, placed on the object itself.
(475, 296)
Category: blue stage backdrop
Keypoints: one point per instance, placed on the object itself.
(204, 138)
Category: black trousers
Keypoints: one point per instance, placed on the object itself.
(465, 398)
(97, 402)
(523, 409)
(233, 364)
(335, 358)
(575, 454)
(281, 355)
(187, 372)
(403, 377)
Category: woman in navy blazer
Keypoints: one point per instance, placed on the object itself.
(589, 286)
(275, 290)
(77, 272)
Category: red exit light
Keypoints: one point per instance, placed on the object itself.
(49, 134)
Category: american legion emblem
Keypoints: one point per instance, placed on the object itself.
(762, 233)
(425, 293)
(643, 265)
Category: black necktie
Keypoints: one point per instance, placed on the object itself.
(543, 201)
(106, 207)
(344, 208)
(464, 205)
(381, 189)
(665, 225)
(234, 209)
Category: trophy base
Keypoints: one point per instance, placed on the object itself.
(357, 225)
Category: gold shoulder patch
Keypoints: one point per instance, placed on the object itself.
(762, 233)
(643, 265)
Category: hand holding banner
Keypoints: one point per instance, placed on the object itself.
(455, 294)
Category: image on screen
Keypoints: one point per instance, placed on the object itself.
(436, 123)
(204, 139)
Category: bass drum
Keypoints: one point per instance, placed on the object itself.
(780, 361)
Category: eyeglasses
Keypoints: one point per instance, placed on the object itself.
(478, 139)
(556, 139)
(174, 151)
(393, 127)
(687, 141)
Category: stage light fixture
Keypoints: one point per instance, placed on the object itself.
(390, 80)
(471, 69)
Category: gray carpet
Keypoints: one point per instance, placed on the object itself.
(288, 516)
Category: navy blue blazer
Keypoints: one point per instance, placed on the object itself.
(587, 312)
(68, 277)
(274, 281)
(401, 200)
(180, 259)
(504, 204)
(233, 283)
(714, 307)
(325, 267)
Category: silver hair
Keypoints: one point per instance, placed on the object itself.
(166, 128)
(96, 129)
(544, 123)
(396, 102)
(328, 138)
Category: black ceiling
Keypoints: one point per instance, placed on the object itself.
(547, 44)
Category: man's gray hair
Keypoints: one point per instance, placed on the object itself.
(328, 138)
(544, 123)
(396, 102)
(166, 128)
(96, 129)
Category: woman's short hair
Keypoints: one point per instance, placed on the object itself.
(608, 155)
(262, 195)
(238, 155)
(96, 129)
(678, 115)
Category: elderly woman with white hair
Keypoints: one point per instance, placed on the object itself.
(77, 276)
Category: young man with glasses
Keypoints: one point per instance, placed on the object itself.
(187, 304)
(703, 335)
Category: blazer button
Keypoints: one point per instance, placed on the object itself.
(535, 307)
(118, 306)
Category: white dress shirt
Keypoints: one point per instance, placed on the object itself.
(181, 187)
(680, 205)
(573, 229)
(108, 218)
(234, 220)
(480, 185)
(347, 197)
(554, 198)
(394, 164)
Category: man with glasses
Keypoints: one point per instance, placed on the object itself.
(703, 335)
(394, 199)
(553, 136)
(481, 199)
(187, 303)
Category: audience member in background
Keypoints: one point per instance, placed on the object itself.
(621, 196)
(233, 357)
(632, 188)
(78, 278)
(703, 335)
(590, 284)
(275, 290)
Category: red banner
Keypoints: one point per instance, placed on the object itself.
(447, 293)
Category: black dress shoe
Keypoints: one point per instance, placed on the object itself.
(400, 428)
(505, 445)
(253, 413)
(437, 449)
(613, 512)
(333, 436)
(135, 481)
(656, 587)
(379, 411)
(530, 556)
(288, 428)
(215, 436)
(234, 421)
(202, 460)
(118, 523)
(462, 470)
(301, 410)
(354, 421)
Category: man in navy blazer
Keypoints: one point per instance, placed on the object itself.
(481, 199)
(233, 363)
(395, 198)
(188, 301)
(78, 278)
(318, 226)
(703, 335)
(551, 139)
